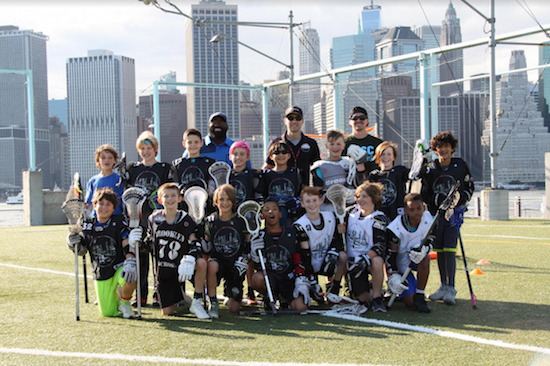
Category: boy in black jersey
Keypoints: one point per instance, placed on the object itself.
(281, 253)
(111, 245)
(148, 174)
(244, 180)
(438, 178)
(227, 240)
(178, 253)
(283, 183)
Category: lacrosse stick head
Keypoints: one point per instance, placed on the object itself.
(451, 201)
(221, 172)
(249, 211)
(133, 199)
(337, 195)
(195, 197)
(74, 206)
(120, 167)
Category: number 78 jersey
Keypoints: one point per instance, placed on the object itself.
(171, 241)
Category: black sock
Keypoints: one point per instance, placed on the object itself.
(450, 264)
(197, 295)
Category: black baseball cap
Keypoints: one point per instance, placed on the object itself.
(294, 110)
(358, 110)
(217, 114)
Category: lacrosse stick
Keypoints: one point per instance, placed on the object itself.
(220, 171)
(133, 198)
(446, 206)
(249, 211)
(121, 168)
(74, 208)
(195, 197)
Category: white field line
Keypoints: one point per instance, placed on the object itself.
(384, 323)
(505, 236)
(156, 359)
(441, 333)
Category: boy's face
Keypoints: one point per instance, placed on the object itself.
(193, 144)
(271, 213)
(336, 146)
(104, 209)
(311, 202)
(280, 157)
(364, 201)
(387, 157)
(414, 210)
(170, 198)
(106, 160)
(239, 158)
(224, 204)
(147, 152)
(444, 151)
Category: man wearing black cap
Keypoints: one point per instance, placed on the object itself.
(359, 121)
(304, 150)
(216, 144)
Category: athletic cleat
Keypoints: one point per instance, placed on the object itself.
(334, 298)
(156, 303)
(197, 309)
(420, 303)
(126, 309)
(440, 293)
(378, 305)
(214, 310)
(449, 297)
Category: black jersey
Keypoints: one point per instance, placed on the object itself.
(287, 183)
(438, 180)
(245, 183)
(171, 241)
(228, 238)
(369, 144)
(394, 181)
(193, 171)
(104, 242)
(281, 250)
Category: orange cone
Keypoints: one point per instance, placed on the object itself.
(433, 255)
(477, 271)
(483, 262)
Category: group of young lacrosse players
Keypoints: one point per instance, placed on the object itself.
(334, 242)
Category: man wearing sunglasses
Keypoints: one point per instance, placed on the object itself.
(359, 121)
(304, 150)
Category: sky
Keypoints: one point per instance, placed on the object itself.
(156, 40)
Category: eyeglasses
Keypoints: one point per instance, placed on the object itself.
(362, 118)
(291, 118)
(280, 152)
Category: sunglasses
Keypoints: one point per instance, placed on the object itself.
(280, 152)
(362, 118)
(291, 118)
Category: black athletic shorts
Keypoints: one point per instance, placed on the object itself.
(169, 292)
(282, 286)
(233, 284)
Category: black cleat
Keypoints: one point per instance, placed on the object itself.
(420, 303)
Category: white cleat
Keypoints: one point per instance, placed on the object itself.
(197, 309)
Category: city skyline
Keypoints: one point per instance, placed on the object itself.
(156, 39)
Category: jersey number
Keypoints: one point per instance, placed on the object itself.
(173, 249)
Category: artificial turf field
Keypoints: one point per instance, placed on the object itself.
(511, 325)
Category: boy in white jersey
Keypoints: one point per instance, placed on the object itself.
(366, 245)
(409, 241)
(322, 248)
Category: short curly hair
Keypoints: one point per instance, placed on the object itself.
(441, 138)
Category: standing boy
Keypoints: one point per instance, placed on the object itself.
(245, 180)
(105, 157)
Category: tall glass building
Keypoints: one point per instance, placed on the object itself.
(309, 92)
(370, 18)
(23, 50)
(214, 63)
(544, 84)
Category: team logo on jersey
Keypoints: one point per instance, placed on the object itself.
(390, 192)
(441, 187)
(305, 147)
(227, 241)
(192, 174)
(281, 187)
(278, 258)
(357, 238)
(148, 180)
(240, 190)
(319, 248)
(103, 249)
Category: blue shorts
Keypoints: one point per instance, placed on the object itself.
(411, 279)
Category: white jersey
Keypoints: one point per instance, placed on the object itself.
(359, 233)
(320, 239)
(408, 239)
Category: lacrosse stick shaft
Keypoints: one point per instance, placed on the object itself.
(267, 283)
(472, 296)
(85, 273)
(138, 288)
(76, 282)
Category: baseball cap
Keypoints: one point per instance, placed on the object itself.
(217, 114)
(358, 110)
(294, 110)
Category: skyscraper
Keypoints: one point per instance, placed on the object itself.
(213, 62)
(370, 18)
(309, 92)
(23, 50)
(544, 84)
(101, 94)
(451, 63)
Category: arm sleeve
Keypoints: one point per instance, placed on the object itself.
(393, 248)
(337, 241)
(379, 235)
(467, 187)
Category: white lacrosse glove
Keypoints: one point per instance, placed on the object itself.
(301, 287)
(422, 144)
(395, 285)
(241, 265)
(75, 239)
(361, 263)
(129, 270)
(356, 153)
(186, 268)
(256, 244)
(416, 255)
(135, 236)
